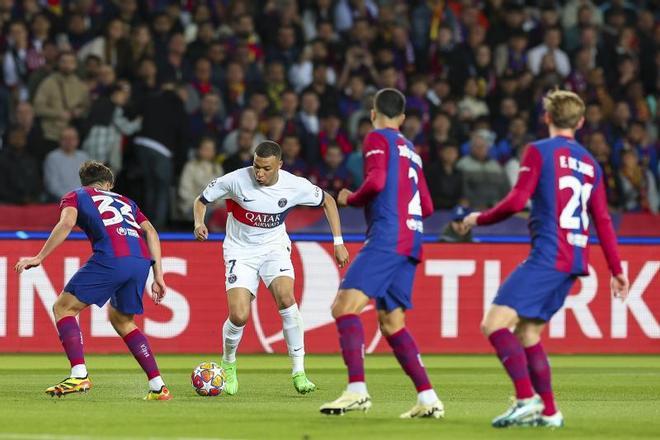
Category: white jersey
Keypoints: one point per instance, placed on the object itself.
(257, 212)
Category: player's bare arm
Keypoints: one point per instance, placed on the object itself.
(59, 233)
(332, 214)
(199, 211)
(158, 287)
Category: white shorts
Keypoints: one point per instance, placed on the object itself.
(245, 271)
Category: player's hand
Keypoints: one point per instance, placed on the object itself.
(201, 233)
(158, 289)
(341, 255)
(27, 263)
(342, 197)
(470, 220)
(620, 286)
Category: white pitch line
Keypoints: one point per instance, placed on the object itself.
(26, 436)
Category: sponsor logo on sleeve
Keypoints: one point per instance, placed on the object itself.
(282, 203)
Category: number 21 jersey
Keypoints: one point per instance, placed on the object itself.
(566, 185)
(110, 221)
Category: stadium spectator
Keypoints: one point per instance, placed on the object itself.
(308, 125)
(208, 120)
(19, 61)
(551, 45)
(638, 185)
(332, 175)
(291, 160)
(26, 121)
(332, 133)
(161, 149)
(485, 182)
(248, 121)
(112, 47)
(19, 170)
(196, 174)
(444, 179)
(61, 165)
(61, 99)
(455, 231)
(602, 152)
(200, 85)
(106, 124)
(245, 151)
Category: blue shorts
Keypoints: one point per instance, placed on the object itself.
(384, 276)
(120, 280)
(535, 292)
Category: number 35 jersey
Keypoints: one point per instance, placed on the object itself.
(110, 221)
(566, 186)
(256, 212)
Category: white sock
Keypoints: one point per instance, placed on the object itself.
(231, 337)
(357, 387)
(79, 370)
(156, 383)
(427, 397)
(294, 335)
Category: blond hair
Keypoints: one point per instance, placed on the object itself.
(565, 108)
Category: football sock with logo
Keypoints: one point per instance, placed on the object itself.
(539, 372)
(512, 356)
(231, 337)
(406, 352)
(71, 338)
(139, 346)
(294, 335)
(351, 340)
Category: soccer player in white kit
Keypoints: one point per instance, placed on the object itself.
(257, 246)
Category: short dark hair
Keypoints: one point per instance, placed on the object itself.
(95, 172)
(390, 102)
(268, 149)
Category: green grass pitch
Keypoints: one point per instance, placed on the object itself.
(600, 396)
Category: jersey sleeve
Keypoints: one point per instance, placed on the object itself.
(70, 199)
(376, 155)
(308, 194)
(425, 195)
(218, 188)
(139, 215)
(528, 178)
(603, 222)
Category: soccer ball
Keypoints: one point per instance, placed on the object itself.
(208, 379)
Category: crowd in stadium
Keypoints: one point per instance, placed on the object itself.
(170, 94)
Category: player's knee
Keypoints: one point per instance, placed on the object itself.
(487, 328)
(286, 301)
(527, 336)
(388, 328)
(60, 309)
(339, 309)
(239, 317)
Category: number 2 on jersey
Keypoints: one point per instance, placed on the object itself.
(415, 204)
(579, 198)
(124, 213)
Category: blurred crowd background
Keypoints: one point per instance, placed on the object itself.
(171, 94)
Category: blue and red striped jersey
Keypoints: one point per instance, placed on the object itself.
(394, 193)
(110, 221)
(566, 185)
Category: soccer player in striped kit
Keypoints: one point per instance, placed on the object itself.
(125, 246)
(566, 186)
(396, 198)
